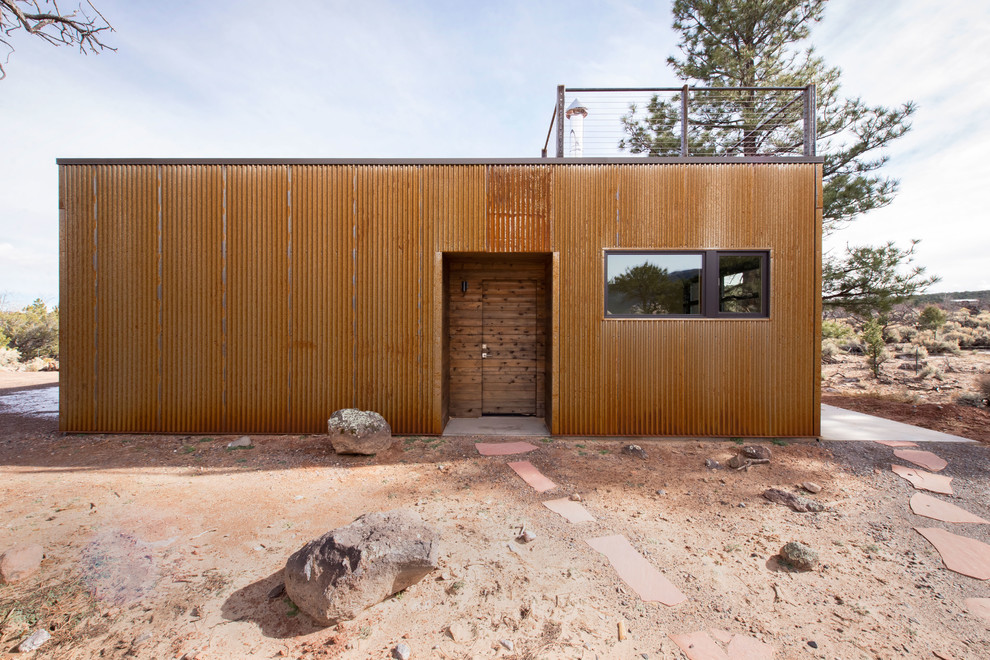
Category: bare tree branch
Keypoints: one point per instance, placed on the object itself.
(51, 24)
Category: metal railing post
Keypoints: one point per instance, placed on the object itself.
(560, 121)
(810, 125)
(684, 121)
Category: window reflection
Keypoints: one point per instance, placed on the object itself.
(654, 284)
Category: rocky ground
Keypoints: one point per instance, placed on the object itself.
(170, 546)
(904, 393)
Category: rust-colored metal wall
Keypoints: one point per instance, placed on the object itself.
(261, 297)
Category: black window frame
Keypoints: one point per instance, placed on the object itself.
(709, 307)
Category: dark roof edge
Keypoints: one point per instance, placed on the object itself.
(692, 160)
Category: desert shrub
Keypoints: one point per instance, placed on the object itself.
(906, 332)
(981, 320)
(9, 357)
(983, 385)
(853, 346)
(931, 372)
(952, 326)
(970, 399)
(836, 329)
(830, 351)
(941, 347)
(892, 335)
(963, 317)
(961, 337)
(913, 352)
(981, 338)
(33, 331)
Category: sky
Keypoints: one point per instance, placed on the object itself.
(447, 79)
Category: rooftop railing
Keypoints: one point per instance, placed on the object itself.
(683, 121)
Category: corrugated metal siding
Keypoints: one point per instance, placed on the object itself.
(288, 291)
(193, 220)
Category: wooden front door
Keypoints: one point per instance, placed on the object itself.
(509, 332)
(497, 305)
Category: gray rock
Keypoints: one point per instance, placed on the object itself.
(712, 464)
(507, 644)
(243, 442)
(401, 651)
(796, 502)
(526, 537)
(811, 487)
(20, 562)
(349, 569)
(799, 556)
(575, 497)
(737, 461)
(634, 450)
(756, 451)
(354, 431)
(34, 642)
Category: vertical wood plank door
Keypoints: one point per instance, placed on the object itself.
(509, 345)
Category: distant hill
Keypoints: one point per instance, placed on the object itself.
(929, 298)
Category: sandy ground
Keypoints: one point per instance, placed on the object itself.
(164, 546)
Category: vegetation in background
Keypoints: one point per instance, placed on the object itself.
(876, 349)
(932, 318)
(761, 43)
(31, 332)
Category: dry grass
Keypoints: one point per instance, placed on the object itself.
(63, 606)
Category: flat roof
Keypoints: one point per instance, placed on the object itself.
(671, 160)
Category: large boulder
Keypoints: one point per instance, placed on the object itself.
(355, 431)
(349, 569)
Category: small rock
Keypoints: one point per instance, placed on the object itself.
(712, 464)
(756, 451)
(20, 562)
(462, 632)
(811, 487)
(34, 642)
(737, 461)
(741, 505)
(526, 537)
(507, 644)
(141, 639)
(661, 491)
(401, 651)
(813, 644)
(575, 498)
(634, 450)
(243, 442)
(277, 592)
(799, 556)
(795, 502)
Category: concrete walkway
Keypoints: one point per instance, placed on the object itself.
(841, 424)
(505, 426)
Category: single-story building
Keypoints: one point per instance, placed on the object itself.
(675, 296)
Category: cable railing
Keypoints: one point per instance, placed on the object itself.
(683, 121)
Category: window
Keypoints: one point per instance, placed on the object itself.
(687, 284)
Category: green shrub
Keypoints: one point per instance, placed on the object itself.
(836, 329)
(33, 331)
(964, 339)
(931, 372)
(932, 318)
(876, 350)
